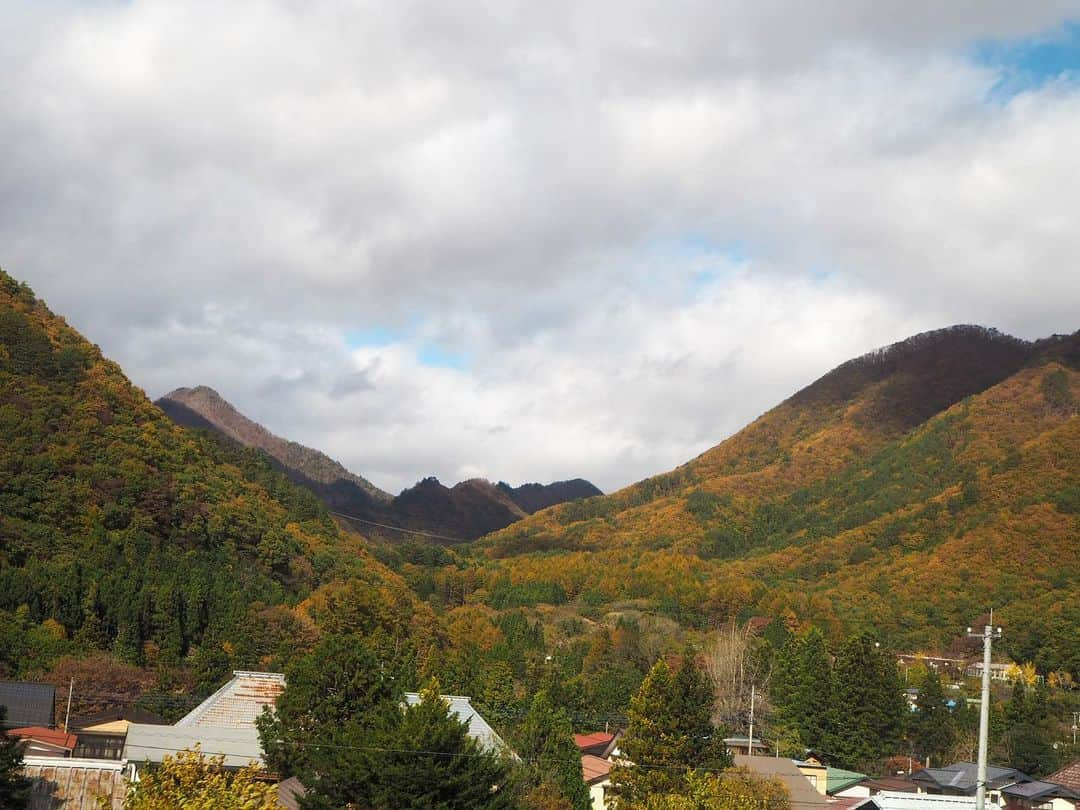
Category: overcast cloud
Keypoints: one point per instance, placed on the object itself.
(534, 241)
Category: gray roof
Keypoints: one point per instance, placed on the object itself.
(1040, 790)
(802, 792)
(28, 704)
(960, 777)
(239, 702)
(239, 746)
(478, 727)
(223, 724)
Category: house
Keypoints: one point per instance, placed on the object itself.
(102, 736)
(1069, 776)
(846, 784)
(222, 725)
(598, 752)
(596, 771)
(960, 778)
(44, 742)
(28, 704)
(74, 784)
(919, 801)
(290, 792)
(815, 772)
(1040, 796)
(740, 744)
(803, 794)
(599, 743)
(998, 672)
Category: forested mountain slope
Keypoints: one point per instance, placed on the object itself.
(121, 531)
(465, 511)
(906, 491)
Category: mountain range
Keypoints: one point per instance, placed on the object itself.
(460, 513)
(905, 492)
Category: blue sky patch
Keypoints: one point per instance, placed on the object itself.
(441, 357)
(371, 337)
(1027, 64)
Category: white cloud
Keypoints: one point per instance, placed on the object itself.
(642, 224)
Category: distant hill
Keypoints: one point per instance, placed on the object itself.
(203, 407)
(907, 491)
(465, 511)
(120, 531)
(534, 497)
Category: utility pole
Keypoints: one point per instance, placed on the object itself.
(1075, 725)
(750, 746)
(67, 716)
(989, 633)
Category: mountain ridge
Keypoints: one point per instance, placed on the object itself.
(460, 513)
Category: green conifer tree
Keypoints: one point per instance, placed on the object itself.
(14, 788)
(547, 741)
(933, 729)
(669, 734)
(867, 705)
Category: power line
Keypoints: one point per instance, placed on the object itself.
(399, 528)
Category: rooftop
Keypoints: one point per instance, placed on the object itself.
(478, 727)
(238, 703)
(49, 736)
(28, 704)
(1069, 776)
(802, 792)
(74, 784)
(918, 801)
(961, 776)
(594, 768)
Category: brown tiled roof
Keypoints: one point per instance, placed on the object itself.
(598, 739)
(802, 793)
(1069, 776)
(50, 736)
(594, 768)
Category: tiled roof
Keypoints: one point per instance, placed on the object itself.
(594, 768)
(598, 739)
(28, 704)
(238, 703)
(478, 726)
(74, 784)
(1069, 776)
(49, 736)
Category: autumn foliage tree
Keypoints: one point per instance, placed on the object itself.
(192, 781)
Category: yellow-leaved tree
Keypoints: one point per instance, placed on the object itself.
(735, 789)
(193, 781)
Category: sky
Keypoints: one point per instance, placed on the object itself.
(534, 241)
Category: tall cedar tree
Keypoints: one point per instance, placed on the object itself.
(547, 741)
(14, 788)
(669, 734)
(1028, 736)
(342, 728)
(803, 688)
(438, 766)
(933, 727)
(867, 714)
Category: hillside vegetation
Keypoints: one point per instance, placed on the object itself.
(120, 531)
(906, 491)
